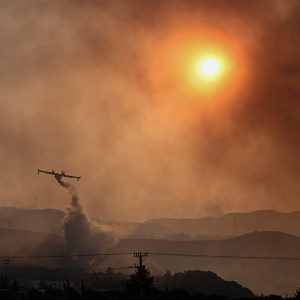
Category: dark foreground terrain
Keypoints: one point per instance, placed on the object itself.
(190, 282)
(176, 294)
(279, 273)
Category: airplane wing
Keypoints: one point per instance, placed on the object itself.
(59, 175)
(45, 172)
(69, 176)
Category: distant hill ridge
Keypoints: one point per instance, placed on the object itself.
(262, 276)
(206, 282)
(43, 220)
(269, 276)
(234, 224)
(229, 225)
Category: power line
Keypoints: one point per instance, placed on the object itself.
(157, 253)
(63, 270)
(227, 256)
(68, 255)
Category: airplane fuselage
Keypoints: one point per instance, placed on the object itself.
(58, 176)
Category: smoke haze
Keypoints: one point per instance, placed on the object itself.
(82, 235)
(99, 89)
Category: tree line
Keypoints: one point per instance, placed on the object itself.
(189, 285)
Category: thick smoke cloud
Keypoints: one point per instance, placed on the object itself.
(145, 144)
(82, 235)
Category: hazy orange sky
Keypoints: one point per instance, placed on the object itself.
(108, 90)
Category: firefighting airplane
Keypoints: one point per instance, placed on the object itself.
(58, 176)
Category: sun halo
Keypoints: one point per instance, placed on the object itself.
(178, 71)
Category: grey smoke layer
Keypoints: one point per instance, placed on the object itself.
(82, 235)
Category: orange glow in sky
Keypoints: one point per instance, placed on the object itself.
(198, 67)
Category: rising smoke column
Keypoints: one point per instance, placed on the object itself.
(82, 235)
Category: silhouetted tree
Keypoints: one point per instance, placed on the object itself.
(68, 284)
(176, 280)
(4, 283)
(82, 286)
(131, 285)
(96, 284)
(107, 282)
(168, 278)
(34, 294)
(273, 297)
(109, 272)
(70, 292)
(43, 285)
(179, 294)
(53, 294)
(199, 296)
(297, 293)
(15, 286)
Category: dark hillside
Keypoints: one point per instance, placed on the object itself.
(20, 243)
(205, 282)
(49, 221)
(262, 276)
(44, 220)
(235, 224)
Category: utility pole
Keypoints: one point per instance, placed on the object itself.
(141, 257)
(6, 263)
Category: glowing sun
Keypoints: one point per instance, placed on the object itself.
(210, 67)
